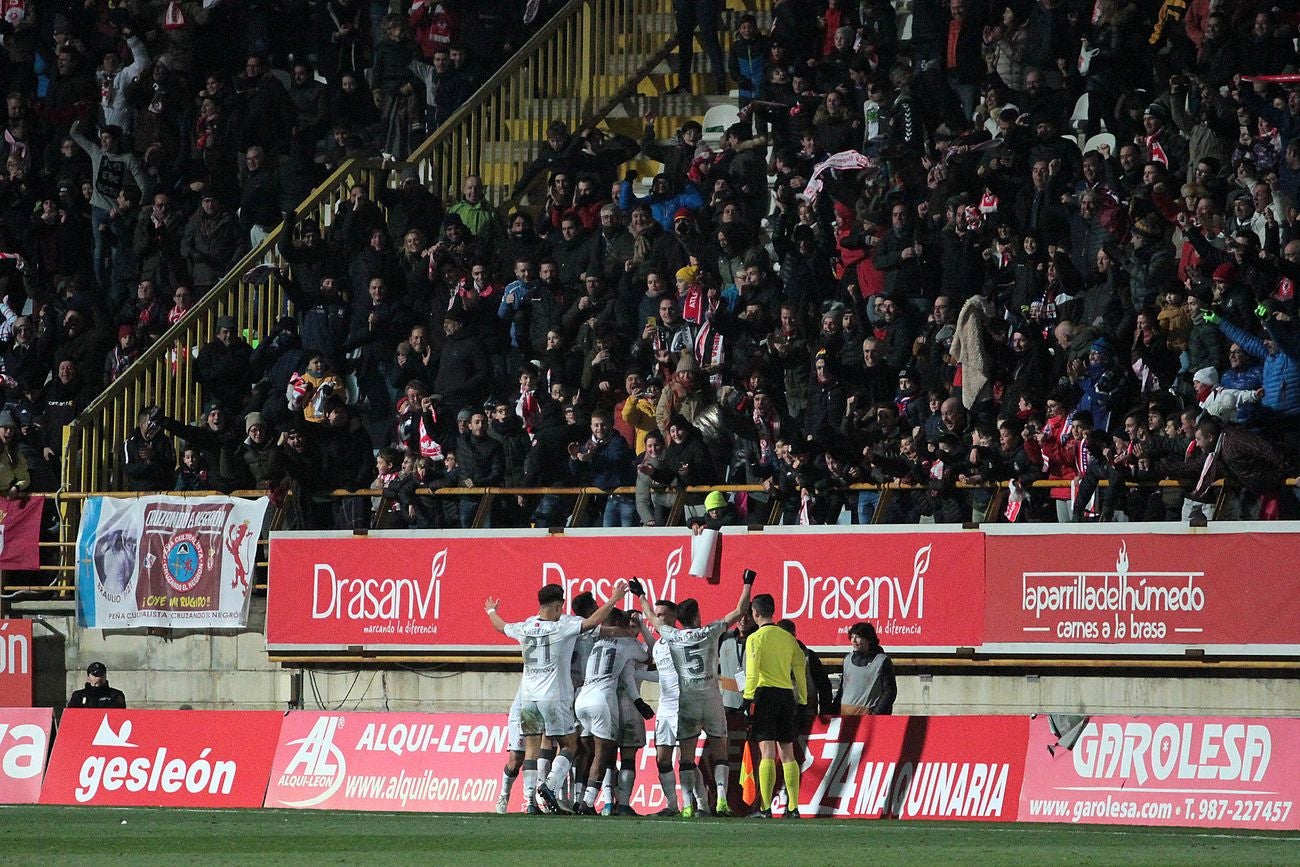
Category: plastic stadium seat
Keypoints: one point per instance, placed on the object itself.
(716, 121)
(1101, 138)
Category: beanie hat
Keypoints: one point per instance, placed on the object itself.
(1207, 376)
(1149, 227)
(1225, 273)
(715, 500)
(691, 273)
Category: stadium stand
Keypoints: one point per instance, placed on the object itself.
(894, 290)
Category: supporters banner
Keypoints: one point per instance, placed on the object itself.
(20, 532)
(895, 767)
(161, 758)
(389, 761)
(1189, 772)
(184, 562)
(407, 591)
(1142, 587)
(24, 743)
(15, 663)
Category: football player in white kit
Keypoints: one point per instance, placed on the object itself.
(546, 700)
(610, 665)
(514, 753)
(691, 697)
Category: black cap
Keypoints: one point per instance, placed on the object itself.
(97, 669)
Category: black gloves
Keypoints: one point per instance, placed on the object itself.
(645, 710)
(749, 577)
(634, 585)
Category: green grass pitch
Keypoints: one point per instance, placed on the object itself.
(68, 835)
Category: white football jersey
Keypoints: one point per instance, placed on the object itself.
(694, 654)
(669, 689)
(548, 653)
(581, 652)
(609, 659)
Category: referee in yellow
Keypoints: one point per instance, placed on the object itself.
(774, 686)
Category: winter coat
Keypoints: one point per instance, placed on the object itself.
(610, 465)
(481, 460)
(210, 245)
(1281, 367)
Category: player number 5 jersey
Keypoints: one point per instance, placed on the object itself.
(694, 654)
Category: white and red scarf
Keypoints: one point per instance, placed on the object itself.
(841, 160)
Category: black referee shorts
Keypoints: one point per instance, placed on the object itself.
(774, 715)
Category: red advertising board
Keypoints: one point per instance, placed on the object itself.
(15, 663)
(967, 767)
(388, 761)
(406, 591)
(1143, 590)
(1198, 772)
(160, 758)
(24, 743)
(879, 767)
(919, 589)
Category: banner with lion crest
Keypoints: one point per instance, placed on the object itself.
(181, 562)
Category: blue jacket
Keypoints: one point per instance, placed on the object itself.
(1281, 367)
(662, 209)
(749, 64)
(1288, 124)
(612, 464)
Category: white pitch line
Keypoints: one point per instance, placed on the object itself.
(844, 823)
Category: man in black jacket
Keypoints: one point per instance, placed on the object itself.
(347, 461)
(463, 372)
(224, 366)
(97, 693)
(215, 439)
(481, 463)
(148, 460)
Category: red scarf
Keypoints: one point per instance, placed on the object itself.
(693, 304)
(429, 447)
(1156, 149)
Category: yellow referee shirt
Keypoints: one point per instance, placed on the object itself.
(774, 658)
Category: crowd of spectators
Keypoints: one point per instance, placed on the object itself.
(900, 265)
(148, 145)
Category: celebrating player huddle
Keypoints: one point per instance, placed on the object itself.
(599, 728)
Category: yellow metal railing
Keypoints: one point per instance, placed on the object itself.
(56, 576)
(582, 64)
(588, 56)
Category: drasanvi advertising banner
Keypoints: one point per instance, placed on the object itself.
(408, 591)
(1143, 587)
(165, 561)
(24, 743)
(1190, 772)
(161, 758)
(15, 663)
